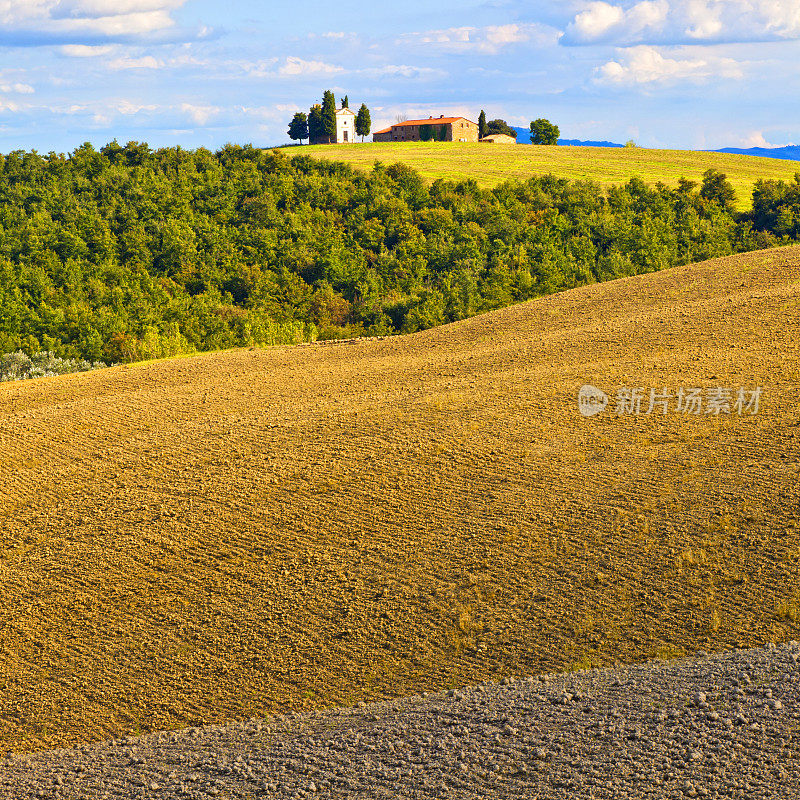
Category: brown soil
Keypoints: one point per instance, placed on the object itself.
(190, 541)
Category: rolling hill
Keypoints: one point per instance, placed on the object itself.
(490, 165)
(789, 153)
(200, 539)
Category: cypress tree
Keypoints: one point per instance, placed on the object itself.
(329, 116)
(482, 124)
(315, 127)
(363, 122)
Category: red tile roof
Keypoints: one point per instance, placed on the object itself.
(385, 130)
(430, 120)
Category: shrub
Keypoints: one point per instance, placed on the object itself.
(20, 367)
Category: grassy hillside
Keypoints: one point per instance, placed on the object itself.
(492, 164)
(193, 540)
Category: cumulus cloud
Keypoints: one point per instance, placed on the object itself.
(200, 114)
(34, 21)
(86, 50)
(684, 21)
(599, 20)
(295, 67)
(130, 108)
(644, 65)
(490, 39)
(290, 67)
(17, 88)
(757, 139)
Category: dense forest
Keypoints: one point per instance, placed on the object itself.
(129, 253)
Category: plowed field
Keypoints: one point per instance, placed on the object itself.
(196, 540)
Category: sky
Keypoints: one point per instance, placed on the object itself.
(695, 74)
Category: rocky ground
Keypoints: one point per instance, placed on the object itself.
(725, 725)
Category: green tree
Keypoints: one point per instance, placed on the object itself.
(482, 124)
(131, 252)
(345, 102)
(329, 116)
(544, 132)
(716, 188)
(497, 126)
(363, 122)
(298, 127)
(433, 133)
(316, 129)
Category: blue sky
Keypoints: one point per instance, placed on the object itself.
(666, 73)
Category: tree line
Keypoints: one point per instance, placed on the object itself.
(128, 253)
(319, 125)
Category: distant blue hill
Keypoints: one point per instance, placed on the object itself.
(524, 137)
(581, 143)
(789, 153)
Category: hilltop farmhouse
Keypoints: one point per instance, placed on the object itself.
(440, 129)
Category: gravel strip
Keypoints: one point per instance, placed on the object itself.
(725, 725)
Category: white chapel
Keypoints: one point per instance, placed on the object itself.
(345, 126)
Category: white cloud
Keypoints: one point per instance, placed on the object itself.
(644, 65)
(676, 21)
(110, 8)
(490, 39)
(297, 67)
(757, 139)
(200, 115)
(293, 68)
(596, 21)
(337, 35)
(86, 51)
(290, 67)
(401, 71)
(17, 88)
(107, 110)
(129, 109)
(145, 62)
(68, 18)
